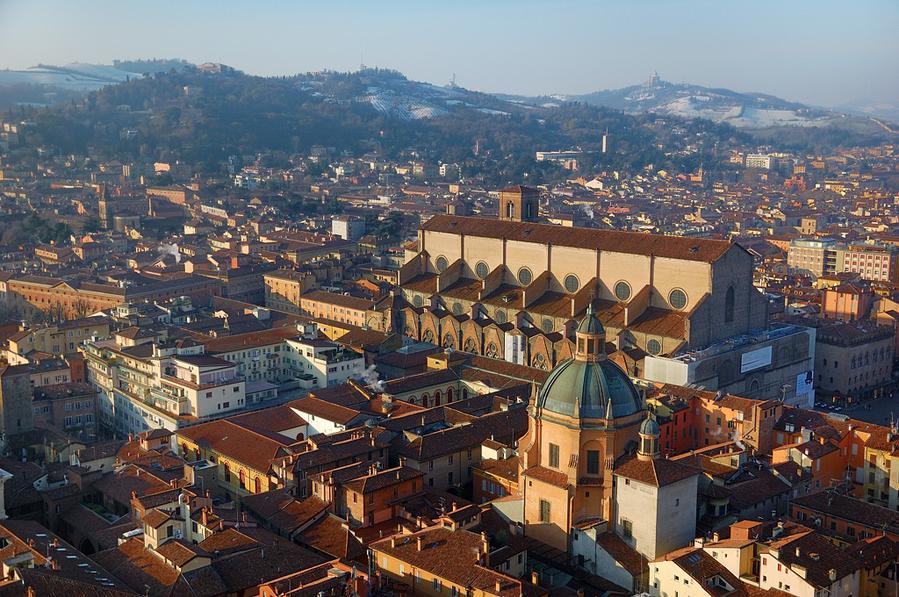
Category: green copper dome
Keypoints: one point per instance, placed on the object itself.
(589, 389)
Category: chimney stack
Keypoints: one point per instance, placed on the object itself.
(535, 578)
(418, 543)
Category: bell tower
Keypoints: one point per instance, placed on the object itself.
(519, 204)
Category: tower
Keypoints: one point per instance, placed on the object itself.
(605, 141)
(519, 204)
(103, 206)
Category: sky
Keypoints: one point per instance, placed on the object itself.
(821, 52)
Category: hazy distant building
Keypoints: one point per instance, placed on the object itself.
(872, 262)
(348, 227)
(761, 161)
(818, 257)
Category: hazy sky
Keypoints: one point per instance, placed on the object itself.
(818, 51)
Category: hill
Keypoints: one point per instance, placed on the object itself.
(48, 84)
(204, 114)
(791, 125)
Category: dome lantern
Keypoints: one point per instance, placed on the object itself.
(591, 338)
(649, 438)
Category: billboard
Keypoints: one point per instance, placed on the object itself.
(755, 359)
(805, 387)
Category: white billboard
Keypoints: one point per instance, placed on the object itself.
(805, 388)
(755, 359)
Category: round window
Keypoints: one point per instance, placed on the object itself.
(548, 325)
(653, 347)
(481, 270)
(525, 276)
(677, 298)
(622, 290)
(500, 316)
(441, 264)
(417, 300)
(457, 308)
(572, 284)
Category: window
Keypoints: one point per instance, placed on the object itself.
(729, 305)
(554, 455)
(525, 276)
(544, 511)
(592, 462)
(627, 528)
(441, 264)
(437, 584)
(653, 347)
(622, 290)
(572, 284)
(481, 270)
(548, 325)
(677, 298)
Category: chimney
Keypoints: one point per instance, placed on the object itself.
(832, 574)
(485, 543)
(499, 585)
(535, 578)
(393, 542)
(797, 552)
(418, 543)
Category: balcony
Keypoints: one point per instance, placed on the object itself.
(170, 403)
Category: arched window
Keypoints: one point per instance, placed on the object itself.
(424, 400)
(449, 395)
(464, 393)
(257, 485)
(729, 305)
(510, 210)
(437, 397)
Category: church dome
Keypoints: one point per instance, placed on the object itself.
(590, 324)
(587, 389)
(650, 427)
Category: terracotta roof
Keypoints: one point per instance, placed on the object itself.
(450, 555)
(623, 553)
(325, 410)
(156, 518)
(675, 247)
(657, 471)
(547, 475)
(851, 509)
(505, 469)
(332, 536)
(282, 511)
(382, 479)
(799, 549)
(252, 449)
